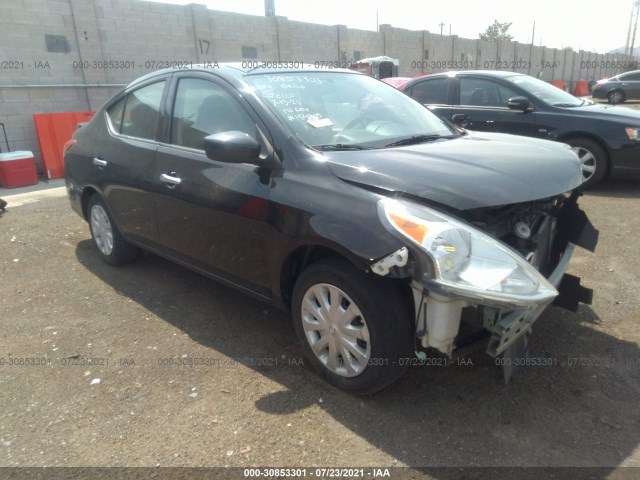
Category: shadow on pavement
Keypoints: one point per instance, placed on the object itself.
(617, 188)
(576, 406)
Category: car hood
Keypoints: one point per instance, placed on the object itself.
(607, 112)
(472, 171)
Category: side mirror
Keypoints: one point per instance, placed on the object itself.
(519, 103)
(232, 147)
(461, 120)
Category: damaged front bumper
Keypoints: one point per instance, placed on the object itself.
(439, 313)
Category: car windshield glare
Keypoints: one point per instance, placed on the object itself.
(337, 110)
(544, 91)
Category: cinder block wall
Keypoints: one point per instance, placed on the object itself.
(72, 55)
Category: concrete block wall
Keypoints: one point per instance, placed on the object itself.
(72, 55)
(405, 45)
(368, 43)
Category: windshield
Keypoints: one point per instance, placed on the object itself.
(545, 91)
(334, 110)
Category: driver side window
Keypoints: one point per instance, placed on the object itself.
(203, 108)
(484, 93)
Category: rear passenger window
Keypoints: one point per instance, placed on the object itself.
(631, 77)
(141, 112)
(431, 91)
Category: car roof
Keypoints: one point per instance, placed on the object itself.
(489, 73)
(238, 70)
(462, 73)
(625, 73)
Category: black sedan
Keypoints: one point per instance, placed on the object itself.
(384, 230)
(625, 86)
(607, 139)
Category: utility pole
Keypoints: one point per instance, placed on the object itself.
(533, 34)
(441, 25)
(269, 8)
(635, 29)
(626, 45)
(631, 33)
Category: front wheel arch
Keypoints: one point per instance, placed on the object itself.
(300, 258)
(598, 149)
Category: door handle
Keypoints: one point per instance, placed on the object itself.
(171, 178)
(98, 162)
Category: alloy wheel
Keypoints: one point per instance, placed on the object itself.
(615, 97)
(587, 161)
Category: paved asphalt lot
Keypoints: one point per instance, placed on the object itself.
(112, 391)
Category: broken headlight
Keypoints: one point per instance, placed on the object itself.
(466, 261)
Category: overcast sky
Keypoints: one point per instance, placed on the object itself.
(588, 25)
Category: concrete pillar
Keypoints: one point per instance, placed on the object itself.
(89, 45)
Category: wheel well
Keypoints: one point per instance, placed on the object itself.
(87, 193)
(571, 136)
(296, 262)
(304, 256)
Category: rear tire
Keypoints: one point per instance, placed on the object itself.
(355, 328)
(111, 245)
(593, 158)
(615, 96)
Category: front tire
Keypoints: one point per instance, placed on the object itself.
(355, 329)
(593, 159)
(112, 246)
(615, 97)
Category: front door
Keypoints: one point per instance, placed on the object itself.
(483, 106)
(211, 215)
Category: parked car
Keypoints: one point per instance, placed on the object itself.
(606, 139)
(397, 82)
(383, 229)
(619, 88)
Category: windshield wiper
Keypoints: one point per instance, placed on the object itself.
(340, 146)
(566, 105)
(418, 139)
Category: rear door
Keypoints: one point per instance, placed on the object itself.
(435, 93)
(123, 160)
(211, 215)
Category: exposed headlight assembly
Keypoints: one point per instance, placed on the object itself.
(466, 261)
(633, 133)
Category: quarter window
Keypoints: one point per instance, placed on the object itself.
(203, 108)
(115, 114)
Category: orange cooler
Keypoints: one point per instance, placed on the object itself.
(17, 169)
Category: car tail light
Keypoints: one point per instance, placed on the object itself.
(68, 145)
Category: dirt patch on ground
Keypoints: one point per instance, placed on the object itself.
(154, 365)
